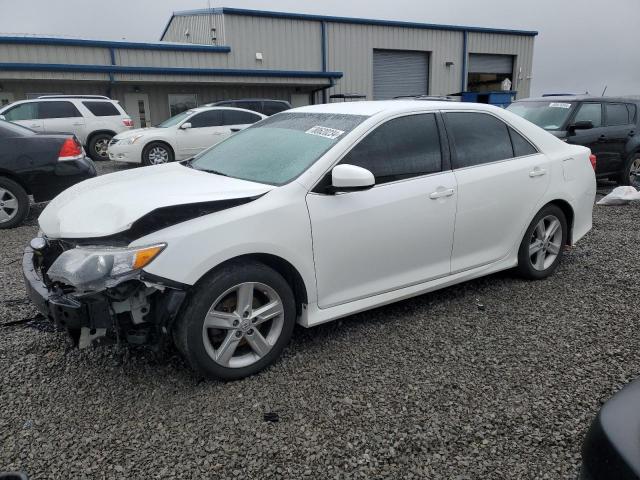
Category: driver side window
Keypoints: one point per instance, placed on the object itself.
(589, 112)
(401, 148)
(212, 118)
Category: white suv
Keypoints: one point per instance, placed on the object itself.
(93, 119)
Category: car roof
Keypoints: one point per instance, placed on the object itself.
(370, 108)
(251, 100)
(579, 98)
(221, 107)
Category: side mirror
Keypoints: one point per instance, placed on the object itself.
(2, 117)
(582, 125)
(349, 178)
(185, 125)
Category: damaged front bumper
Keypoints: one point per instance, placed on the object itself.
(140, 312)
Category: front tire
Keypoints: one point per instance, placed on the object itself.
(631, 173)
(541, 248)
(237, 322)
(157, 153)
(98, 146)
(14, 204)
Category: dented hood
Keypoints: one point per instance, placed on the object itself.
(109, 204)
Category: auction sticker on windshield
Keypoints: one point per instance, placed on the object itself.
(560, 105)
(326, 132)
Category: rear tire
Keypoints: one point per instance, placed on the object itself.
(237, 322)
(631, 166)
(157, 153)
(98, 146)
(541, 248)
(14, 203)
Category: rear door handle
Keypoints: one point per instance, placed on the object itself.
(77, 124)
(447, 192)
(537, 172)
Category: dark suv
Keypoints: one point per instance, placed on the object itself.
(606, 125)
(260, 105)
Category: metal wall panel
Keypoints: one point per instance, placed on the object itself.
(521, 47)
(350, 50)
(285, 44)
(399, 73)
(16, 53)
(159, 58)
(199, 28)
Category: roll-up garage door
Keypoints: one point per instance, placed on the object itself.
(398, 73)
(484, 63)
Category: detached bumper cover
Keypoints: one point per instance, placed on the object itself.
(612, 447)
(65, 310)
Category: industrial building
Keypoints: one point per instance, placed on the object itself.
(215, 54)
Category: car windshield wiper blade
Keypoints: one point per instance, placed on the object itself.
(215, 172)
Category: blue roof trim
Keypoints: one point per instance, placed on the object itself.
(62, 67)
(361, 21)
(75, 42)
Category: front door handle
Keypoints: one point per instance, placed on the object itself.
(537, 172)
(447, 192)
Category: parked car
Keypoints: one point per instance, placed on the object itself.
(42, 165)
(181, 136)
(260, 105)
(93, 119)
(608, 126)
(612, 446)
(310, 215)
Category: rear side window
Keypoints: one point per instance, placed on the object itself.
(102, 109)
(617, 114)
(57, 110)
(235, 117)
(589, 112)
(478, 138)
(255, 106)
(25, 111)
(521, 146)
(401, 148)
(271, 108)
(212, 118)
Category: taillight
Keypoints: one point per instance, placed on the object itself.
(70, 150)
(127, 122)
(592, 159)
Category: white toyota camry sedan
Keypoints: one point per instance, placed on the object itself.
(310, 215)
(181, 136)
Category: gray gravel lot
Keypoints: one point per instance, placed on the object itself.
(433, 387)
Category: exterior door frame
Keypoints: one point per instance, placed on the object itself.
(133, 108)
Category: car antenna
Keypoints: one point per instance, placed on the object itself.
(605, 89)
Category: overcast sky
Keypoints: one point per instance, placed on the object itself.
(583, 45)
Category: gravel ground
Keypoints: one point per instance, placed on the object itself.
(495, 378)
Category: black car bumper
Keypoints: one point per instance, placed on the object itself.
(65, 310)
(612, 447)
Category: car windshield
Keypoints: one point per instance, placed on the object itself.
(278, 149)
(550, 115)
(176, 119)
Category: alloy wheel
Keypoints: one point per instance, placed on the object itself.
(243, 324)
(634, 171)
(101, 146)
(8, 205)
(158, 155)
(545, 243)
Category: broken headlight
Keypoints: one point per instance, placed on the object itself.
(96, 268)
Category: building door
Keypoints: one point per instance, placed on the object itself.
(487, 72)
(137, 106)
(398, 73)
(6, 98)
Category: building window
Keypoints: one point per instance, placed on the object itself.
(181, 102)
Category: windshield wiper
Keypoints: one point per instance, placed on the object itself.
(215, 172)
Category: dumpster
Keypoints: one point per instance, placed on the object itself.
(498, 98)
